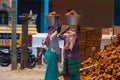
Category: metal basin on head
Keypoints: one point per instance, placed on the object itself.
(72, 19)
(51, 20)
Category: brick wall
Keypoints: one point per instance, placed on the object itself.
(106, 31)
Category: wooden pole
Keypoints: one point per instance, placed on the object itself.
(13, 59)
(24, 54)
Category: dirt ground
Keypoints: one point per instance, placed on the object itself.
(36, 73)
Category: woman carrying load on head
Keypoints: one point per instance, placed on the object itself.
(71, 36)
(53, 50)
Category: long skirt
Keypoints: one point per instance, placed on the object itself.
(51, 66)
(71, 69)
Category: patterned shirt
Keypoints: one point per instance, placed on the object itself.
(54, 43)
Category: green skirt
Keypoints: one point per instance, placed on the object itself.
(51, 66)
(71, 67)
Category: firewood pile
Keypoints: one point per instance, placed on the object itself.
(108, 63)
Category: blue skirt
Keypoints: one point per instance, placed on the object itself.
(51, 66)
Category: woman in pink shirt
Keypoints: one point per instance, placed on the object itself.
(71, 63)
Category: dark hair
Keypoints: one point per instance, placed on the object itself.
(78, 28)
(68, 10)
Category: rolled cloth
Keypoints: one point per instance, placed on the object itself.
(70, 39)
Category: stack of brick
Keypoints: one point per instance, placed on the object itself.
(90, 42)
(82, 42)
(93, 41)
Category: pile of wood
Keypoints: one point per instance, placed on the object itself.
(108, 63)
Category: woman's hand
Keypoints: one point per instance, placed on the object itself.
(66, 47)
(58, 35)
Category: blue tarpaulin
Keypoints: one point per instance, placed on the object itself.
(117, 12)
